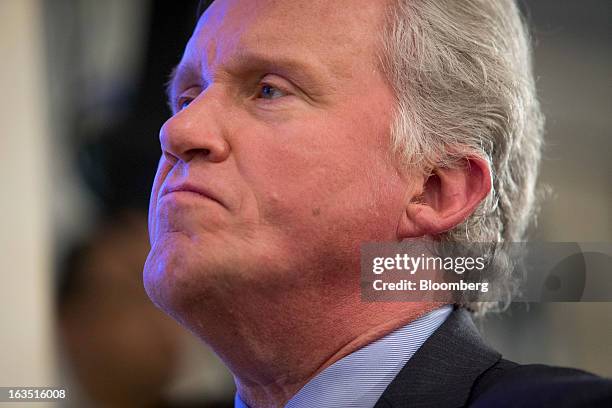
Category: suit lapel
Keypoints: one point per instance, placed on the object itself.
(443, 371)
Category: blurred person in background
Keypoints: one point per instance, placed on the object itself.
(122, 350)
(276, 165)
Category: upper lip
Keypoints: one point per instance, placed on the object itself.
(189, 187)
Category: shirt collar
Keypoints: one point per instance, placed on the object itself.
(359, 379)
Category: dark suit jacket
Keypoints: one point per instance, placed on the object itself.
(455, 368)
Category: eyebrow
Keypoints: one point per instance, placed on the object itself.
(170, 84)
(180, 73)
(253, 61)
(305, 74)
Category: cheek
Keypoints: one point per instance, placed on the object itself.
(322, 175)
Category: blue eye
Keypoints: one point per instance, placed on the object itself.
(184, 102)
(270, 92)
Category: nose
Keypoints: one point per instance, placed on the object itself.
(195, 131)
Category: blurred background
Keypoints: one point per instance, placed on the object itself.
(84, 99)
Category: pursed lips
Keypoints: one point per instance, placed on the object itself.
(189, 188)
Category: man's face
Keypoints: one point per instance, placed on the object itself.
(280, 141)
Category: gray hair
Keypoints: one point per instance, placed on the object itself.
(462, 75)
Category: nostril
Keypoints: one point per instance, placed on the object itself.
(170, 158)
(189, 155)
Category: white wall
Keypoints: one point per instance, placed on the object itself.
(26, 347)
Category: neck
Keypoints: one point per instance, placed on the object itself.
(274, 348)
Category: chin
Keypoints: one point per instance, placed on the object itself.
(187, 281)
(173, 279)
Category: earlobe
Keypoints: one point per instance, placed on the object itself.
(448, 197)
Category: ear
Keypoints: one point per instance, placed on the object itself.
(448, 197)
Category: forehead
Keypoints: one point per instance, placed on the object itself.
(341, 34)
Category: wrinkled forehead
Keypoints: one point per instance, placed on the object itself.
(339, 32)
